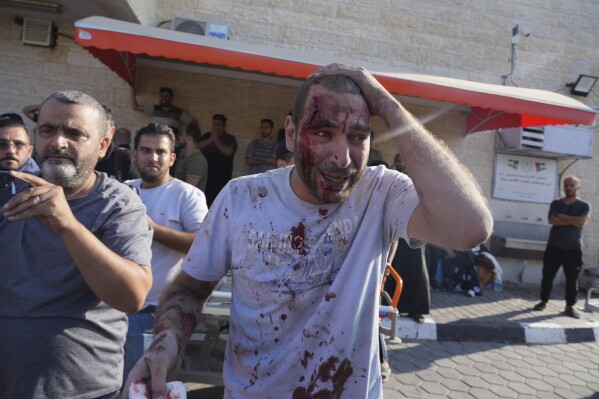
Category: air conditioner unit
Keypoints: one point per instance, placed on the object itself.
(189, 26)
(202, 28)
(563, 141)
(38, 33)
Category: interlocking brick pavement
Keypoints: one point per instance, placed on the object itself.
(504, 316)
(567, 370)
(496, 367)
(451, 369)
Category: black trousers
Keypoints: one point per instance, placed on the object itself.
(571, 260)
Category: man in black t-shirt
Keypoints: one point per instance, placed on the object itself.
(117, 162)
(165, 112)
(567, 216)
(219, 148)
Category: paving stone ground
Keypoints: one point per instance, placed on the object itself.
(465, 368)
(468, 370)
(503, 316)
(511, 305)
(451, 369)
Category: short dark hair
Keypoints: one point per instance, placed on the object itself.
(219, 117)
(194, 132)
(282, 152)
(123, 132)
(155, 129)
(8, 121)
(281, 135)
(79, 98)
(109, 116)
(14, 116)
(335, 83)
(167, 90)
(269, 121)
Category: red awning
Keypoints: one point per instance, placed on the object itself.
(118, 45)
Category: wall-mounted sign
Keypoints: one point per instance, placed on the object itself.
(527, 179)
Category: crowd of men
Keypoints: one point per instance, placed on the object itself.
(109, 253)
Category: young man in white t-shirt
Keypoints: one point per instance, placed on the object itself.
(306, 247)
(175, 211)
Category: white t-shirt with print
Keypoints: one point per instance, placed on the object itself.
(306, 280)
(176, 205)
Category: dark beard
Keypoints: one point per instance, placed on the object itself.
(149, 178)
(330, 197)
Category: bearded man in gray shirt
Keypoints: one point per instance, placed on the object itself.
(76, 255)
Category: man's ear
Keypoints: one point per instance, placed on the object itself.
(173, 158)
(289, 133)
(103, 147)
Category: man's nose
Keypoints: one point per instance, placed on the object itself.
(11, 148)
(340, 153)
(59, 141)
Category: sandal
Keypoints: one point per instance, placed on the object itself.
(418, 318)
(385, 371)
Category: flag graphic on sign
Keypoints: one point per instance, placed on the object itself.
(513, 163)
(540, 166)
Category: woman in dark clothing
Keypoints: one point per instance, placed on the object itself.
(410, 264)
(415, 296)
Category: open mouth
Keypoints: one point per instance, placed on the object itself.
(334, 179)
(336, 182)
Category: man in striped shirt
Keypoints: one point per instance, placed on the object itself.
(260, 154)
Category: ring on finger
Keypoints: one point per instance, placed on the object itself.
(37, 199)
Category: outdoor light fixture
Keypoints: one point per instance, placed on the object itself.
(32, 5)
(583, 85)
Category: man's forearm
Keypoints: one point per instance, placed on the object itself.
(193, 180)
(260, 160)
(179, 310)
(555, 220)
(174, 239)
(225, 149)
(270, 161)
(120, 283)
(454, 213)
(204, 143)
(567, 220)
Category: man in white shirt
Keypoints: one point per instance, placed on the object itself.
(306, 247)
(175, 212)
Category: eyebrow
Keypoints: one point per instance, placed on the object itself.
(322, 123)
(331, 123)
(146, 148)
(47, 125)
(361, 127)
(13, 141)
(66, 128)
